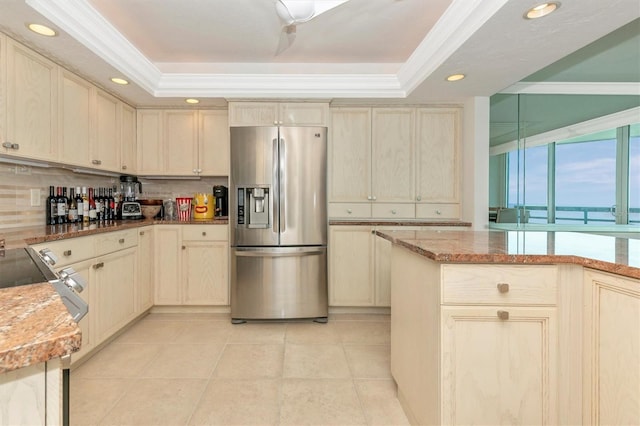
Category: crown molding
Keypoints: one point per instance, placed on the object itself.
(573, 88)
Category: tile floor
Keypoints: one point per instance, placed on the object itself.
(199, 369)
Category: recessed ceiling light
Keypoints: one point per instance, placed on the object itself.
(192, 101)
(455, 77)
(541, 10)
(42, 30)
(118, 80)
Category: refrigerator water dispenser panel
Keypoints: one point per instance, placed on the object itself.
(256, 214)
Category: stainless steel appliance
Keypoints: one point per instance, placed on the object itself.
(130, 190)
(221, 195)
(25, 266)
(278, 218)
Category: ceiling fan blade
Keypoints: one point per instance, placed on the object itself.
(287, 36)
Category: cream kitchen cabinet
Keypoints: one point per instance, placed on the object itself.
(394, 163)
(31, 104)
(611, 393)
(128, 139)
(75, 106)
(351, 266)
(192, 265)
(278, 113)
(145, 275)
(105, 143)
(182, 143)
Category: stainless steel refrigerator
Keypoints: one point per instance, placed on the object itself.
(278, 221)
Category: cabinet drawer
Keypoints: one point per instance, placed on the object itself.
(350, 210)
(438, 211)
(205, 233)
(70, 251)
(499, 284)
(391, 211)
(114, 241)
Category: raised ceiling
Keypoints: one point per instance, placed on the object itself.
(392, 51)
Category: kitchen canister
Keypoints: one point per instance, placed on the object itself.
(184, 208)
(170, 210)
(204, 206)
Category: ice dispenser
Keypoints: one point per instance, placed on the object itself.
(255, 212)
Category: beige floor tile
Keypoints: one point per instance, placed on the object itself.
(118, 361)
(150, 331)
(204, 332)
(360, 317)
(157, 402)
(258, 333)
(235, 402)
(320, 402)
(315, 361)
(250, 361)
(190, 316)
(380, 403)
(184, 361)
(91, 399)
(364, 332)
(312, 333)
(369, 361)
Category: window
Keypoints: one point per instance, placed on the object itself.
(634, 174)
(533, 193)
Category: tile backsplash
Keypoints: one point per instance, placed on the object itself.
(17, 183)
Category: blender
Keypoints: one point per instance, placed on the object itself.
(130, 189)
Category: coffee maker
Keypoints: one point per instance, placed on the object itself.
(220, 193)
(130, 189)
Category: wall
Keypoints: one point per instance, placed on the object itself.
(16, 183)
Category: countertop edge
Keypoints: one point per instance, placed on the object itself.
(381, 222)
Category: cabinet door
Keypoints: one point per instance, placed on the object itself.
(105, 152)
(612, 341)
(167, 285)
(180, 142)
(303, 113)
(149, 147)
(392, 153)
(23, 396)
(350, 155)
(437, 155)
(144, 284)
(75, 103)
(213, 143)
(128, 140)
(205, 273)
(253, 113)
(351, 266)
(88, 343)
(113, 279)
(31, 104)
(499, 371)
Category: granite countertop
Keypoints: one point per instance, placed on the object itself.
(35, 327)
(390, 222)
(617, 255)
(21, 237)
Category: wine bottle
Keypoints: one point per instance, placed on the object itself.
(85, 205)
(61, 202)
(97, 199)
(66, 204)
(52, 207)
(92, 206)
(73, 207)
(112, 205)
(79, 204)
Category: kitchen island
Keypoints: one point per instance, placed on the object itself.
(515, 327)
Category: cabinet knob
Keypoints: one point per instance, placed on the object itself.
(204, 234)
(96, 162)
(503, 315)
(374, 198)
(438, 212)
(199, 171)
(67, 252)
(141, 232)
(503, 287)
(124, 167)
(369, 197)
(194, 171)
(121, 240)
(349, 211)
(418, 198)
(184, 247)
(393, 212)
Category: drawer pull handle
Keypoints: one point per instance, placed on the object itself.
(98, 265)
(67, 252)
(503, 287)
(96, 162)
(204, 234)
(503, 315)
(121, 240)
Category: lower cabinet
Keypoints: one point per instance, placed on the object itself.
(144, 282)
(612, 350)
(192, 265)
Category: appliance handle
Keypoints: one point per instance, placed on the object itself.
(282, 189)
(286, 252)
(274, 196)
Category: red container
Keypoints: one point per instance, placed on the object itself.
(184, 208)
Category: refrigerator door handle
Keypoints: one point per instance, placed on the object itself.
(282, 188)
(275, 214)
(293, 252)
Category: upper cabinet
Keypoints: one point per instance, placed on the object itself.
(31, 104)
(128, 140)
(394, 163)
(105, 146)
(183, 142)
(75, 104)
(278, 113)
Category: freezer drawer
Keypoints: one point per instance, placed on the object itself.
(279, 283)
